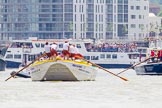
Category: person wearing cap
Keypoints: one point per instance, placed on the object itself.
(47, 48)
(65, 50)
(54, 50)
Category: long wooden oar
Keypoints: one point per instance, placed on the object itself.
(133, 66)
(26, 66)
(106, 70)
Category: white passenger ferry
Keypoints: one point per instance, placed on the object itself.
(22, 52)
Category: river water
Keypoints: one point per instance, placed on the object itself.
(107, 91)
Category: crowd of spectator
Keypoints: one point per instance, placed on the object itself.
(112, 47)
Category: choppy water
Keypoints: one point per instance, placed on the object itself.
(107, 91)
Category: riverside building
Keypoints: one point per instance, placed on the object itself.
(77, 19)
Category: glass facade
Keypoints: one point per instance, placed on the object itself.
(44, 19)
(110, 14)
(122, 19)
(90, 19)
(62, 19)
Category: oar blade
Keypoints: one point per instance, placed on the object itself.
(106, 70)
(26, 66)
(133, 66)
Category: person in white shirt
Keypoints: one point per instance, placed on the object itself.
(65, 50)
(47, 48)
(74, 52)
(54, 50)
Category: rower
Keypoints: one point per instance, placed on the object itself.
(54, 50)
(75, 52)
(65, 50)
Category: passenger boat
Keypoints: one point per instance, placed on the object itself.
(62, 70)
(25, 51)
(151, 66)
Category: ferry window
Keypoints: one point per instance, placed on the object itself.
(31, 57)
(60, 45)
(102, 56)
(94, 57)
(28, 45)
(108, 56)
(37, 45)
(78, 45)
(17, 56)
(114, 56)
(9, 56)
(133, 56)
(42, 45)
(87, 57)
(14, 45)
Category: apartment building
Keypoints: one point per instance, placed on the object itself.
(76, 19)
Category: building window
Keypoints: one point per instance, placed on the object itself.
(120, 1)
(137, 7)
(133, 26)
(125, 17)
(120, 17)
(133, 17)
(109, 1)
(120, 8)
(132, 7)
